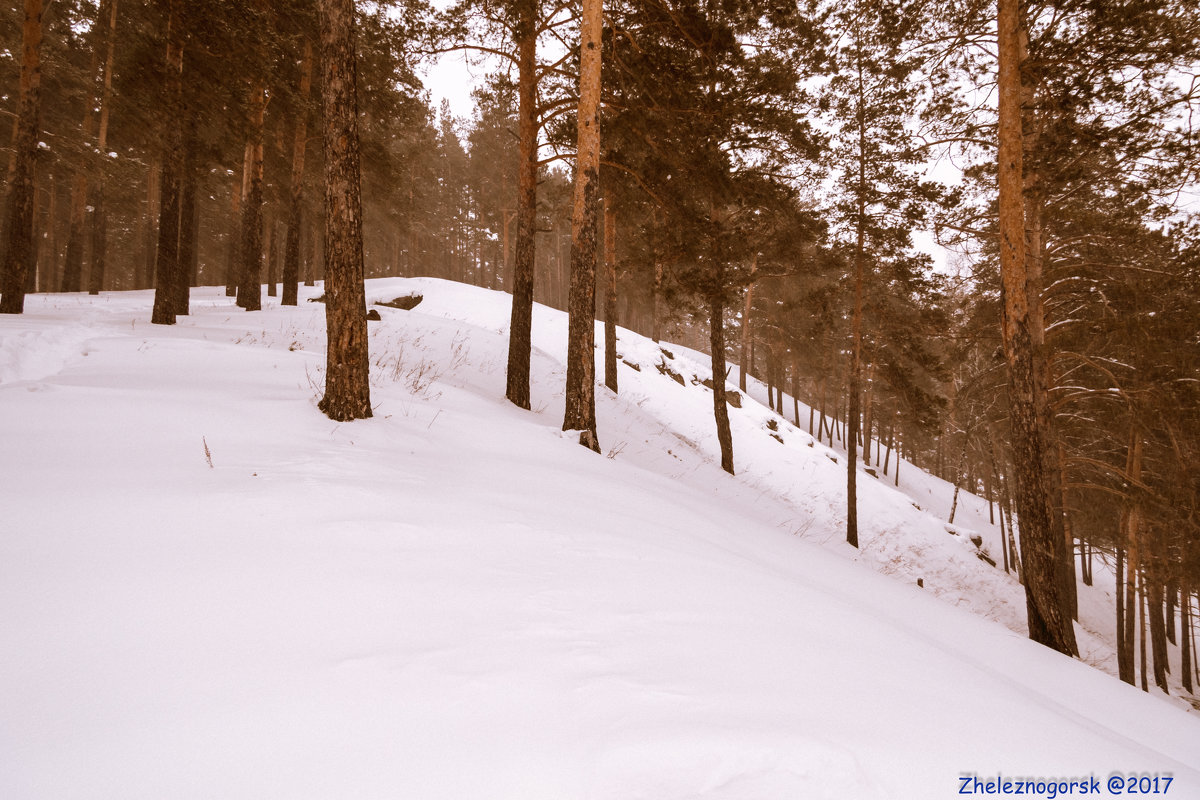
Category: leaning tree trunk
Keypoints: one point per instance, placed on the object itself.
(581, 304)
(716, 331)
(347, 387)
(18, 218)
(166, 265)
(520, 329)
(1048, 617)
(291, 251)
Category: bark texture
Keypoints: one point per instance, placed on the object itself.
(520, 329)
(18, 217)
(347, 388)
(166, 265)
(581, 303)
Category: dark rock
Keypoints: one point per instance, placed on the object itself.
(773, 424)
(373, 316)
(734, 399)
(634, 367)
(404, 302)
(977, 540)
(665, 369)
(831, 457)
(667, 353)
(777, 437)
(318, 299)
(871, 471)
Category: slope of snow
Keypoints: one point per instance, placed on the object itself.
(455, 600)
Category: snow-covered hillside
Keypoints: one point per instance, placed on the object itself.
(209, 590)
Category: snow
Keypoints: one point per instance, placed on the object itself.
(455, 600)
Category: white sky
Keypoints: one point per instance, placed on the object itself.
(452, 78)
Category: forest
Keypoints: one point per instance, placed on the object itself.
(762, 180)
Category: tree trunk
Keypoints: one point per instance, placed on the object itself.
(18, 217)
(1170, 611)
(1141, 611)
(899, 455)
(145, 275)
(99, 231)
(347, 368)
(233, 265)
(610, 297)
(796, 393)
(867, 416)
(716, 328)
(1158, 637)
(250, 282)
(581, 358)
(993, 489)
(744, 358)
(656, 322)
(856, 326)
(43, 261)
(520, 329)
(73, 263)
(987, 490)
(291, 250)
(272, 250)
(167, 268)
(1048, 615)
(1066, 535)
(1130, 524)
(1185, 638)
(188, 218)
(1124, 652)
(962, 454)
(310, 256)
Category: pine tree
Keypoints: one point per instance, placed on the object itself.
(872, 95)
(1049, 623)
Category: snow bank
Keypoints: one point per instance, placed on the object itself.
(452, 600)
